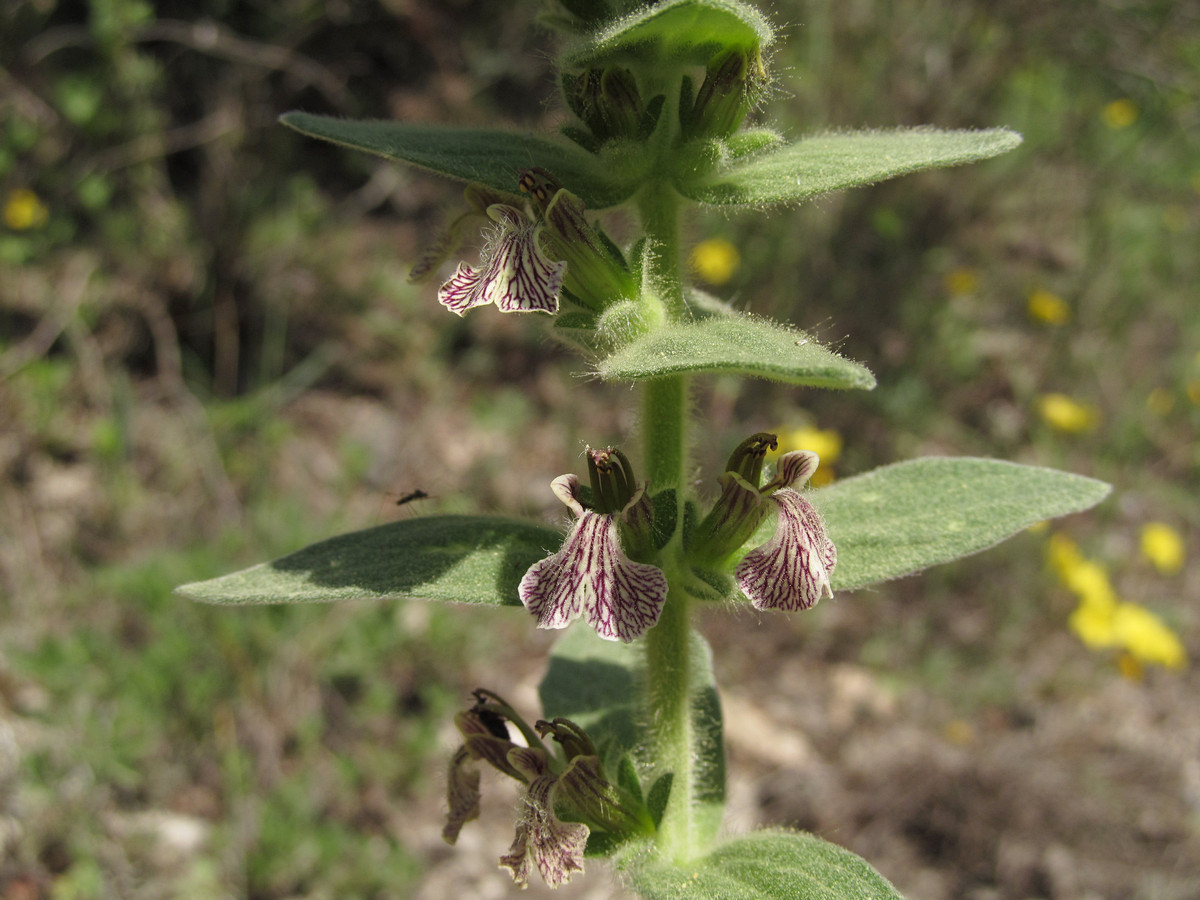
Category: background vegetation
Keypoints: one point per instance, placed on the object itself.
(209, 354)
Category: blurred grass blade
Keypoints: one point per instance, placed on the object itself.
(457, 559)
(828, 162)
(687, 32)
(597, 684)
(902, 518)
(765, 865)
(489, 156)
(738, 344)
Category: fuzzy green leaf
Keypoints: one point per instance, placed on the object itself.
(902, 518)
(687, 32)
(456, 559)
(489, 156)
(738, 344)
(597, 685)
(764, 865)
(828, 162)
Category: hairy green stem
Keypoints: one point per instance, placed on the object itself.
(669, 679)
(669, 671)
(658, 208)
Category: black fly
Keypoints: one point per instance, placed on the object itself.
(418, 494)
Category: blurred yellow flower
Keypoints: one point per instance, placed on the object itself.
(23, 210)
(1089, 582)
(1144, 635)
(1193, 392)
(1119, 113)
(1160, 401)
(1048, 308)
(1069, 416)
(825, 442)
(1163, 546)
(715, 260)
(962, 282)
(1128, 666)
(1102, 620)
(1093, 626)
(1062, 554)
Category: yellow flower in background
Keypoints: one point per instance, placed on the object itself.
(1093, 626)
(962, 282)
(1048, 308)
(1163, 546)
(1128, 666)
(1089, 581)
(1102, 620)
(1144, 635)
(1062, 554)
(825, 442)
(23, 210)
(1119, 114)
(715, 260)
(1069, 416)
(1193, 392)
(1160, 401)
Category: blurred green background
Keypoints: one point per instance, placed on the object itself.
(210, 355)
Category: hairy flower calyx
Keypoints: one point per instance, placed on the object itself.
(612, 481)
(596, 275)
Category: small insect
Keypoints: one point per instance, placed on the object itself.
(418, 494)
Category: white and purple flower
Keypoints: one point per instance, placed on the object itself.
(791, 571)
(572, 781)
(592, 576)
(554, 847)
(513, 272)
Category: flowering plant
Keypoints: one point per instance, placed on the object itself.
(628, 763)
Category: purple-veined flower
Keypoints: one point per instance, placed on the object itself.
(572, 780)
(592, 576)
(513, 272)
(791, 571)
(553, 846)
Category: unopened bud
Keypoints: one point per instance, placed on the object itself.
(730, 88)
(747, 458)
